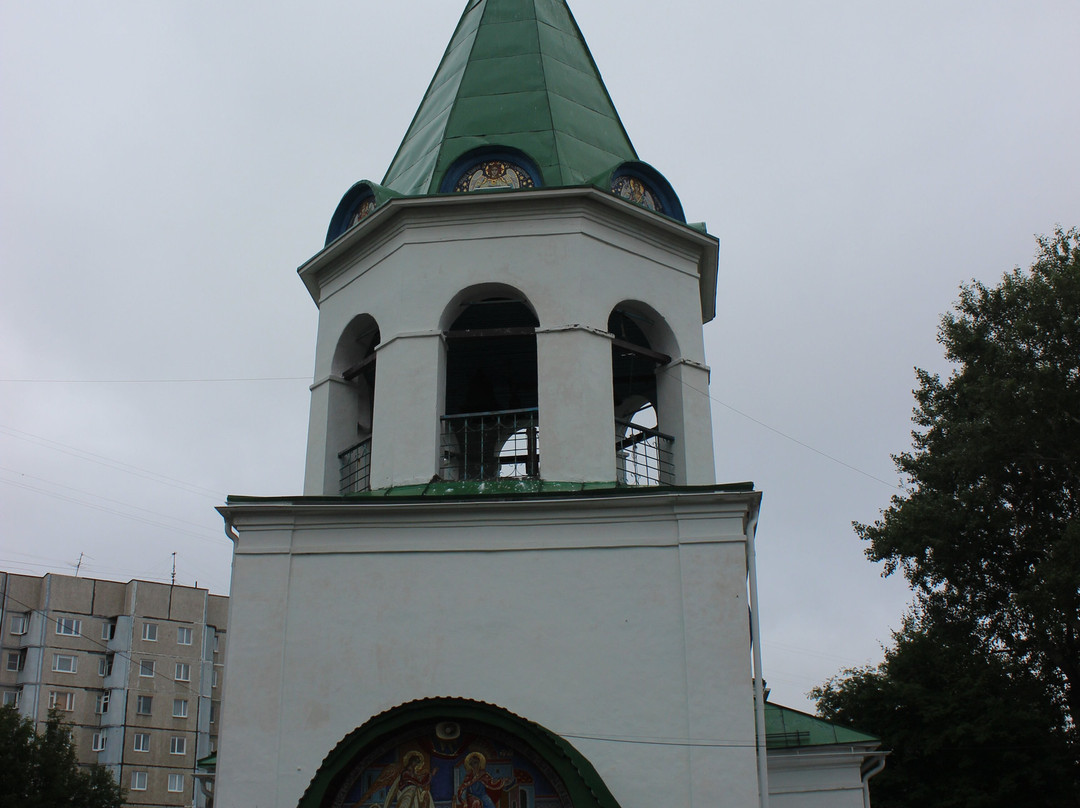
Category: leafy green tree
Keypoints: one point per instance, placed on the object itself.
(965, 727)
(987, 530)
(979, 697)
(41, 771)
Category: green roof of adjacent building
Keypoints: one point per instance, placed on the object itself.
(517, 74)
(786, 728)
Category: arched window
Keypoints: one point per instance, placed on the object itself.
(354, 365)
(642, 453)
(490, 414)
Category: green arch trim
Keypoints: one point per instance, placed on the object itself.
(582, 782)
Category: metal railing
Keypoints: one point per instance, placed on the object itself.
(642, 455)
(356, 468)
(503, 444)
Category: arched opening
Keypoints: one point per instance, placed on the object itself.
(643, 454)
(489, 426)
(455, 752)
(354, 367)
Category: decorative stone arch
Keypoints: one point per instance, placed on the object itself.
(437, 743)
(643, 185)
(642, 344)
(359, 202)
(491, 168)
(490, 390)
(352, 404)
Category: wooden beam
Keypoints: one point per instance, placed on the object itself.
(513, 331)
(629, 347)
(356, 369)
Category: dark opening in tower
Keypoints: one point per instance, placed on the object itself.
(489, 429)
(642, 453)
(354, 364)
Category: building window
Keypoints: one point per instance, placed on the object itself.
(138, 781)
(183, 635)
(98, 742)
(16, 660)
(213, 711)
(177, 745)
(183, 672)
(143, 705)
(146, 668)
(176, 783)
(63, 700)
(11, 698)
(101, 704)
(141, 742)
(105, 665)
(179, 708)
(216, 643)
(149, 632)
(108, 630)
(19, 623)
(68, 626)
(214, 678)
(65, 663)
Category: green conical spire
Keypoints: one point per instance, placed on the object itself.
(516, 74)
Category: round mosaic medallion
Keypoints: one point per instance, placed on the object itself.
(634, 190)
(494, 174)
(366, 208)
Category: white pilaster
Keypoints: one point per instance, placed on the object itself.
(577, 433)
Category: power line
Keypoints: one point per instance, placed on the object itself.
(98, 496)
(160, 381)
(202, 537)
(791, 438)
(109, 462)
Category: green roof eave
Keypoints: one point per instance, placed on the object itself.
(495, 489)
(786, 728)
(517, 74)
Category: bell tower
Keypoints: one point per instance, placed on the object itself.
(510, 527)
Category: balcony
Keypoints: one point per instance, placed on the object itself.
(503, 444)
(356, 468)
(642, 455)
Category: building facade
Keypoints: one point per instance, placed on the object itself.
(136, 668)
(512, 580)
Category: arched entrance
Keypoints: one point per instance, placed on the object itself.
(455, 753)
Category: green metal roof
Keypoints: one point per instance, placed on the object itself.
(786, 728)
(517, 74)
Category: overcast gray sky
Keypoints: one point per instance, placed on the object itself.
(167, 165)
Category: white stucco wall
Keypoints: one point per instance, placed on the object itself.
(819, 777)
(618, 622)
(574, 255)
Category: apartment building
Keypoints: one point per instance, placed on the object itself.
(136, 668)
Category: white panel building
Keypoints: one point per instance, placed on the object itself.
(136, 669)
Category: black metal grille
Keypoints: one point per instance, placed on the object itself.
(490, 445)
(642, 455)
(356, 468)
